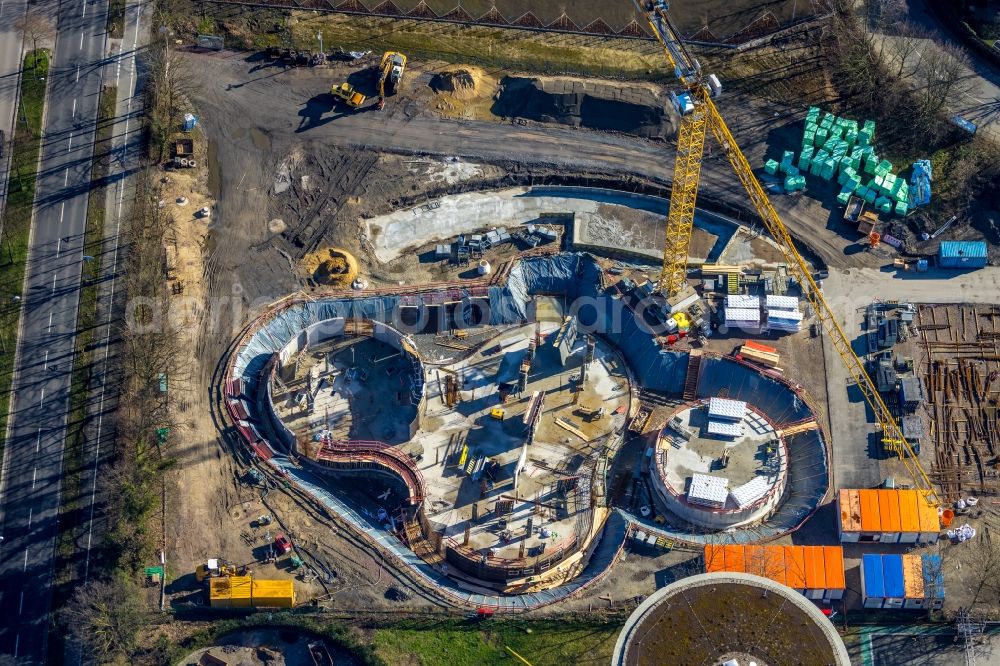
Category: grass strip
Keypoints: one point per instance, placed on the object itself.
(85, 356)
(116, 19)
(16, 223)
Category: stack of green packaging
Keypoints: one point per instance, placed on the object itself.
(839, 148)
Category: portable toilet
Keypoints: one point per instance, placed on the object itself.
(190, 122)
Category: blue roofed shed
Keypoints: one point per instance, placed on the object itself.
(962, 254)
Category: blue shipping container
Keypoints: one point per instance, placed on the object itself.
(962, 254)
(892, 574)
(872, 584)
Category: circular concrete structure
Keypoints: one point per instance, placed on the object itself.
(748, 471)
(708, 618)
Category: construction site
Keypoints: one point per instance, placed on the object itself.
(460, 351)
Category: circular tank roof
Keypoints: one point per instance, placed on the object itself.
(708, 618)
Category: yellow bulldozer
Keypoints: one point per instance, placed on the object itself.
(347, 94)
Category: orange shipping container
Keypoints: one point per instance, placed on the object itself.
(908, 517)
(754, 562)
(888, 508)
(774, 561)
(714, 559)
(870, 521)
(795, 567)
(855, 498)
(734, 559)
(929, 520)
(815, 569)
(913, 576)
(848, 519)
(833, 560)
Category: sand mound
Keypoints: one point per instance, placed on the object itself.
(331, 266)
(459, 82)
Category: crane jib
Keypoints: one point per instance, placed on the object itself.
(699, 115)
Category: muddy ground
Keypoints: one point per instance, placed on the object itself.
(291, 173)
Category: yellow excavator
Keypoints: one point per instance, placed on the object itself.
(390, 75)
(347, 94)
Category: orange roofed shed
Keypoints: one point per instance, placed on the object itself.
(795, 567)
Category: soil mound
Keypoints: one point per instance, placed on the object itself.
(463, 83)
(331, 266)
(631, 109)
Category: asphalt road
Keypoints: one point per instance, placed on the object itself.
(33, 459)
(10, 74)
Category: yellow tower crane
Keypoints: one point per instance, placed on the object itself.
(699, 115)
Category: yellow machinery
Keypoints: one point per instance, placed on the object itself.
(346, 93)
(249, 592)
(215, 568)
(497, 413)
(699, 115)
(390, 74)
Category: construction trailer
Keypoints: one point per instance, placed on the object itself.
(815, 571)
(962, 254)
(910, 581)
(887, 516)
(250, 592)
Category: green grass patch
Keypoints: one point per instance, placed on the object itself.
(16, 223)
(85, 358)
(116, 19)
(543, 643)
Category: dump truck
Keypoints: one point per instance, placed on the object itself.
(868, 224)
(347, 94)
(855, 206)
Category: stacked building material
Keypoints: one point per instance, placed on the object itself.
(815, 571)
(920, 181)
(762, 354)
(710, 491)
(783, 313)
(838, 148)
(743, 311)
(901, 581)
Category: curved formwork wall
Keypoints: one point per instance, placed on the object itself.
(780, 401)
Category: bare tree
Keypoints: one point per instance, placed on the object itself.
(105, 616)
(35, 28)
(943, 75)
(171, 90)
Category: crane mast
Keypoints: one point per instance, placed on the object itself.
(698, 116)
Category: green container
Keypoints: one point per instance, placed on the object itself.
(808, 139)
(864, 138)
(771, 167)
(870, 196)
(851, 137)
(884, 204)
(808, 152)
(861, 190)
(843, 197)
(845, 163)
(804, 162)
(821, 135)
(902, 208)
(792, 170)
(816, 167)
(885, 166)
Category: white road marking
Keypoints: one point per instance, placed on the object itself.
(34, 474)
(114, 273)
(77, 75)
(17, 641)
(58, 246)
(74, 99)
(38, 442)
(62, 209)
(70, 142)
(81, 40)
(25, 568)
(20, 604)
(54, 283)
(46, 366)
(41, 398)
(31, 512)
(48, 331)
(66, 177)
(84, 3)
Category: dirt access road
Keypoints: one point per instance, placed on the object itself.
(292, 108)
